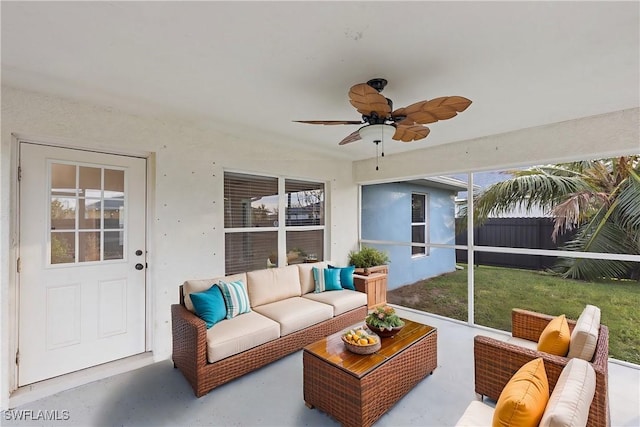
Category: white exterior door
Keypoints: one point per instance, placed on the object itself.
(82, 255)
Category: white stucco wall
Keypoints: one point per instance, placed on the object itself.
(186, 228)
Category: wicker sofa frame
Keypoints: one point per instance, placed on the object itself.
(496, 361)
(190, 347)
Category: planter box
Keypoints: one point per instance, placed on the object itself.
(384, 269)
(374, 285)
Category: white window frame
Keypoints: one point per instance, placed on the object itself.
(281, 227)
(425, 224)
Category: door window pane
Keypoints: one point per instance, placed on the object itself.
(63, 179)
(63, 213)
(114, 182)
(113, 213)
(89, 246)
(90, 181)
(113, 245)
(63, 248)
(89, 210)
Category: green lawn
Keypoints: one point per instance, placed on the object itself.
(498, 290)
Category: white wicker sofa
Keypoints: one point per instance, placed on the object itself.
(286, 314)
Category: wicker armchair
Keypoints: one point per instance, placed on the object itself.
(496, 361)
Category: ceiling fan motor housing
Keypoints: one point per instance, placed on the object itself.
(377, 84)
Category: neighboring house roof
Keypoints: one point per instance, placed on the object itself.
(443, 182)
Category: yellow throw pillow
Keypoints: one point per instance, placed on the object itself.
(524, 398)
(555, 337)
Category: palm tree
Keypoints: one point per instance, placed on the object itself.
(600, 199)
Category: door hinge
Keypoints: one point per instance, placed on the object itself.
(17, 357)
(19, 173)
(19, 265)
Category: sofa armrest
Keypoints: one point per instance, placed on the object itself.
(189, 340)
(496, 361)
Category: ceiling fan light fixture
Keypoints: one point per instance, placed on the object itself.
(380, 133)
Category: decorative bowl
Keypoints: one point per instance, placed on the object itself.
(362, 349)
(384, 332)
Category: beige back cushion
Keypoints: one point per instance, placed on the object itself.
(585, 334)
(273, 284)
(306, 275)
(191, 286)
(571, 398)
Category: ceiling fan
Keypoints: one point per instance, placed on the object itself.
(381, 121)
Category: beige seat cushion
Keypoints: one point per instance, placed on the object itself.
(341, 301)
(191, 286)
(571, 398)
(241, 333)
(273, 284)
(294, 314)
(307, 284)
(585, 334)
(521, 342)
(477, 414)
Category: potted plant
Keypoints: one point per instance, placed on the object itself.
(368, 260)
(384, 321)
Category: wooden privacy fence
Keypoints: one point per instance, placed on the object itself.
(531, 233)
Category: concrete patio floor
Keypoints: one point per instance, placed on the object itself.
(158, 395)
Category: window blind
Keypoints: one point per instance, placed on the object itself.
(252, 219)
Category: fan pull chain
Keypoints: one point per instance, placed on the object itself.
(377, 142)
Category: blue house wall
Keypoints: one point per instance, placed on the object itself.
(386, 215)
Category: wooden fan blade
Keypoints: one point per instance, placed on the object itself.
(367, 100)
(410, 132)
(442, 108)
(330, 122)
(352, 137)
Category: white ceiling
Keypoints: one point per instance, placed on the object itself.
(250, 68)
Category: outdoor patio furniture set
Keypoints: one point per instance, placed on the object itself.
(264, 315)
(496, 361)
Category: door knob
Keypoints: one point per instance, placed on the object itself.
(139, 266)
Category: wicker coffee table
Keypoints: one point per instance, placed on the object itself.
(358, 389)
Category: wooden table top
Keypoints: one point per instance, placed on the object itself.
(333, 350)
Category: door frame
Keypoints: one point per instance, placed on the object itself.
(14, 277)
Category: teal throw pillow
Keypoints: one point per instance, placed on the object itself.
(209, 305)
(235, 298)
(346, 276)
(326, 279)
